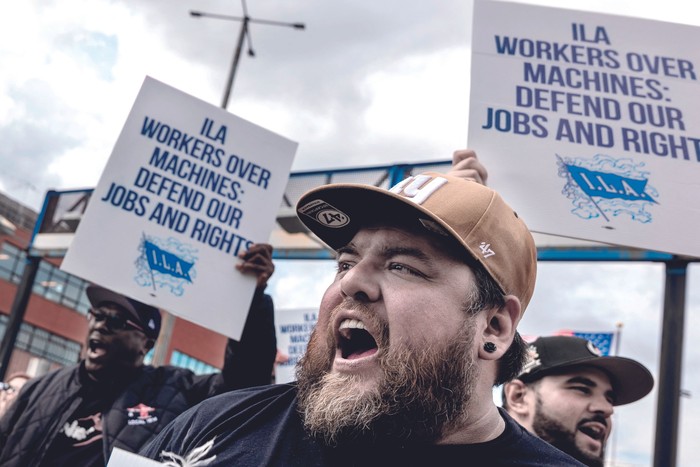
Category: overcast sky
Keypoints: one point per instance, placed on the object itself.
(367, 83)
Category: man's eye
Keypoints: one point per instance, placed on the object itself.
(582, 389)
(402, 268)
(343, 266)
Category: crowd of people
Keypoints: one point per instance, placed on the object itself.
(414, 333)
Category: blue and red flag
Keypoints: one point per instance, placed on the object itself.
(602, 340)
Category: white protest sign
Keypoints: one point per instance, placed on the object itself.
(294, 328)
(187, 188)
(122, 458)
(589, 124)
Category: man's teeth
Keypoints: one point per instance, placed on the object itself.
(593, 431)
(352, 324)
(94, 345)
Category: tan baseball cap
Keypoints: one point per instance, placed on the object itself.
(473, 214)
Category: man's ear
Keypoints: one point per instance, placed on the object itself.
(514, 393)
(500, 328)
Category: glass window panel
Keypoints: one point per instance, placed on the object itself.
(11, 262)
(9, 255)
(42, 278)
(39, 342)
(83, 304)
(48, 346)
(148, 359)
(23, 337)
(71, 292)
(185, 361)
(57, 284)
(53, 286)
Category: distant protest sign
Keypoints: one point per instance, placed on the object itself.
(589, 124)
(187, 188)
(294, 328)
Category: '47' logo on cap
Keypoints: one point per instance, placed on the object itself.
(332, 218)
(417, 188)
(486, 250)
(325, 214)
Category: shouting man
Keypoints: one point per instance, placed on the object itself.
(433, 277)
(567, 392)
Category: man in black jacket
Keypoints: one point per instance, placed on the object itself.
(77, 415)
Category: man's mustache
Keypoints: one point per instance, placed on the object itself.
(595, 418)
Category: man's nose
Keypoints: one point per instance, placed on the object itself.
(602, 405)
(361, 283)
(100, 325)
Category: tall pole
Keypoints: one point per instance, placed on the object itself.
(616, 353)
(245, 32)
(668, 401)
(234, 62)
(618, 337)
(19, 307)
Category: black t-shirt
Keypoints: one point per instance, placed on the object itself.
(261, 426)
(79, 441)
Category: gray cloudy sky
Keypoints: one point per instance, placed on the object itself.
(367, 83)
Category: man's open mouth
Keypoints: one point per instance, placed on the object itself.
(595, 431)
(96, 348)
(355, 341)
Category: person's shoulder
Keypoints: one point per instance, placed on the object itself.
(252, 395)
(51, 387)
(236, 401)
(165, 371)
(226, 412)
(529, 450)
(57, 376)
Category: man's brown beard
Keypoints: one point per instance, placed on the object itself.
(562, 438)
(422, 396)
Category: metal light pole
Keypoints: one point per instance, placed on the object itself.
(668, 400)
(244, 32)
(19, 307)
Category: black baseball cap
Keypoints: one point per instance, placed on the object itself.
(554, 354)
(147, 316)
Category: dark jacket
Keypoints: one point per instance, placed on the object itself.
(46, 403)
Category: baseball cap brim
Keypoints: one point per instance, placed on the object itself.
(630, 380)
(99, 295)
(149, 317)
(360, 206)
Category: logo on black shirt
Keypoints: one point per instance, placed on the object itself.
(141, 415)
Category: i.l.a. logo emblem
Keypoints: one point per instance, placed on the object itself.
(606, 187)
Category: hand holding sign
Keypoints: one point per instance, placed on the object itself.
(466, 165)
(257, 260)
